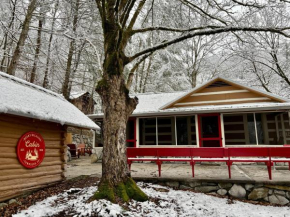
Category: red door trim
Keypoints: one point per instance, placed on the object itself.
(135, 132)
(213, 138)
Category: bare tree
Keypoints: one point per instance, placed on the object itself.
(118, 19)
(65, 86)
(25, 28)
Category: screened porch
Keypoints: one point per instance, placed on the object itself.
(210, 130)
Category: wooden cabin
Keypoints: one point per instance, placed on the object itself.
(219, 113)
(84, 101)
(33, 123)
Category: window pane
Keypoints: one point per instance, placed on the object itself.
(251, 129)
(166, 131)
(130, 131)
(259, 125)
(182, 130)
(234, 129)
(147, 131)
(209, 127)
(192, 132)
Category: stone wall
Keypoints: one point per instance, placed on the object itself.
(274, 194)
(82, 136)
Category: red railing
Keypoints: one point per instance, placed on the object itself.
(267, 155)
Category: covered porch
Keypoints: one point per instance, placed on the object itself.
(210, 130)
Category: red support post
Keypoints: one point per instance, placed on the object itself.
(229, 168)
(192, 163)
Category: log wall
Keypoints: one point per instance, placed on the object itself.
(15, 179)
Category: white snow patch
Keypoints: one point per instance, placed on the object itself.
(18, 97)
(171, 203)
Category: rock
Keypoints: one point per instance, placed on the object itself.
(288, 194)
(258, 185)
(172, 184)
(226, 186)
(94, 158)
(277, 199)
(249, 187)
(12, 201)
(281, 193)
(270, 191)
(278, 187)
(208, 184)
(266, 199)
(3, 205)
(184, 187)
(237, 191)
(222, 192)
(258, 193)
(206, 189)
(194, 184)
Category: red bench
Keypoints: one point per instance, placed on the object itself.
(227, 155)
(250, 154)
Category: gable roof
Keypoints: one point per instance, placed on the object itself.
(18, 97)
(256, 95)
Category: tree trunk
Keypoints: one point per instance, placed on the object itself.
(45, 79)
(5, 52)
(65, 86)
(16, 55)
(116, 183)
(37, 51)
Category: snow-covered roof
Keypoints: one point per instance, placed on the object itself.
(154, 104)
(18, 97)
(77, 94)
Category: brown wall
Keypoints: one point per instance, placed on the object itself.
(201, 100)
(16, 179)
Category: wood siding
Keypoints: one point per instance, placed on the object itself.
(222, 95)
(15, 179)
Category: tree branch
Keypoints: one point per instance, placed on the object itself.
(161, 28)
(136, 14)
(255, 5)
(209, 32)
(191, 5)
(131, 74)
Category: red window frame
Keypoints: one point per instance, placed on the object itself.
(212, 138)
(135, 132)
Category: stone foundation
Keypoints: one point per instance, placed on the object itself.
(274, 194)
(82, 136)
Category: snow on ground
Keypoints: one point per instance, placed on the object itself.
(166, 202)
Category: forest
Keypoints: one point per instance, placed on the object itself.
(58, 44)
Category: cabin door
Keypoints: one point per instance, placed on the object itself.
(209, 127)
(131, 133)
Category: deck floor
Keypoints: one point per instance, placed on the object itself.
(182, 171)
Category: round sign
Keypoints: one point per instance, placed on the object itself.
(31, 149)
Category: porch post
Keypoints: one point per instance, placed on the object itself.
(137, 132)
(283, 129)
(156, 131)
(197, 130)
(175, 129)
(223, 130)
(256, 132)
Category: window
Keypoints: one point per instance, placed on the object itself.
(251, 129)
(167, 131)
(182, 130)
(259, 125)
(147, 131)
